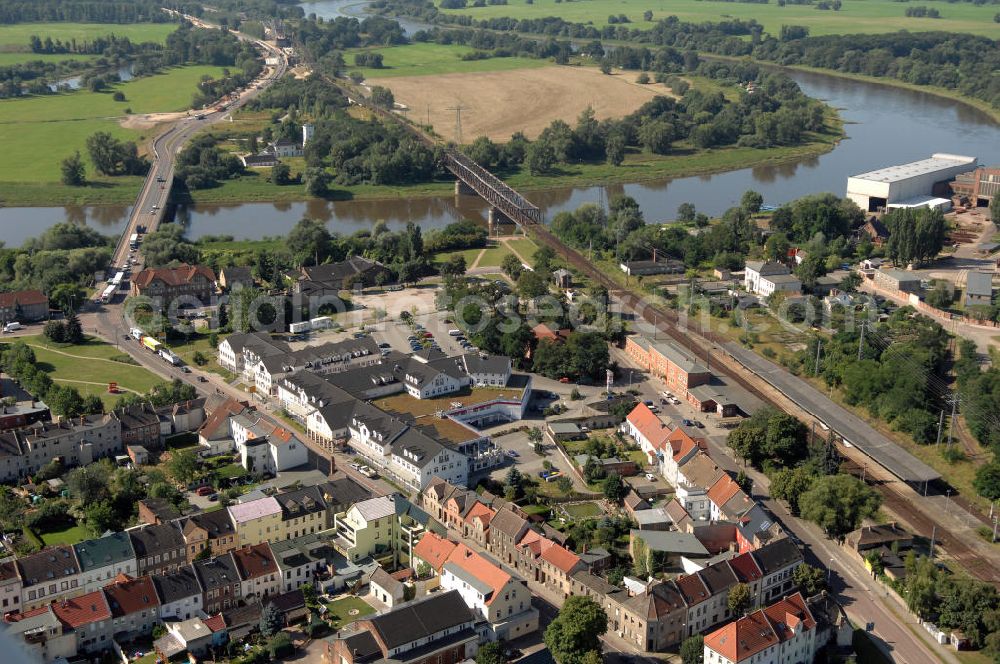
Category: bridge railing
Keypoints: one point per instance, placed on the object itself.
(496, 192)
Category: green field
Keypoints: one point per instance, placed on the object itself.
(340, 610)
(68, 536)
(424, 59)
(89, 368)
(17, 36)
(38, 132)
(870, 16)
(8, 59)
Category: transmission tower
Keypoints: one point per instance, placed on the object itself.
(458, 120)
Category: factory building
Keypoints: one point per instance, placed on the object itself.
(921, 183)
(980, 186)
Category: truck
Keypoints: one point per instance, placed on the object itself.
(299, 328)
(169, 356)
(151, 343)
(136, 333)
(108, 293)
(133, 240)
(13, 326)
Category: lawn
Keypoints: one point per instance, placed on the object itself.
(340, 610)
(583, 510)
(856, 16)
(8, 59)
(524, 247)
(69, 535)
(230, 471)
(17, 36)
(88, 367)
(38, 132)
(468, 254)
(426, 59)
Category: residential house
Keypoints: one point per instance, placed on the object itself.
(103, 559)
(331, 278)
(256, 521)
(342, 492)
(159, 548)
(23, 306)
(214, 531)
(51, 575)
(432, 550)
(507, 527)
(191, 635)
(188, 284)
(664, 549)
(765, 278)
(436, 629)
(265, 371)
(777, 561)
(220, 582)
(653, 620)
(78, 442)
(694, 478)
(233, 349)
(263, 445)
(496, 595)
(303, 511)
(236, 277)
(179, 592)
(549, 563)
(41, 635)
(135, 606)
(140, 425)
(292, 605)
(875, 231)
(648, 431)
(215, 434)
(978, 289)
(90, 617)
(867, 538)
(10, 588)
(307, 559)
(683, 443)
(563, 278)
(782, 632)
(259, 573)
(385, 588)
(368, 528)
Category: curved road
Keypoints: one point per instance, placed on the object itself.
(152, 199)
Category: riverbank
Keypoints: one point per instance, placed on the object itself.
(937, 91)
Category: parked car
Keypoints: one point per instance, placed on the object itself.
(205, 491)
(687, 422)
(214, 497)
(186, 369)
(651, 477)
(512, 454)
(564, 379)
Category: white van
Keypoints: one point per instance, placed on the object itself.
(454, 333)
(12, 327)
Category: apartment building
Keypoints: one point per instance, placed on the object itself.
(256, 521)
(259, 573)
(190, 284)
(49, 576)
(103, 559)
(78, 441)
(220, 583)
(213, 530)
(135, 607)
(179, 592)
(781, 632)
(158, 548)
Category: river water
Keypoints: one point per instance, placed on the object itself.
(885, 126)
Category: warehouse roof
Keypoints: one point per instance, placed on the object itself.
(901, 172)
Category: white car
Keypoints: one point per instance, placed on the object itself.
(651, 477)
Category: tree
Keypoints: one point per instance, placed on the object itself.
(183, 465)
(271, 620)
(995, 203)
(915, 234)
(541, 157)
(656, 136)
(789, 484)
(67, 296)
(318, 181)
(739, 599)
(565, 485)
(987, 480)
(100, 517)
(614, 149)
(577, 630)
(810, 580)
(941, 295)
(511, 266)
(64, 401)
(491, 653)
(647, 15)
(531, 285)
(693, 650)
(281, 174)
(74, 173)
(839, 503)
(686, 212)
(454, 266)
(74, 330)
(309, 239)
(615, 488)
(382, 97)
(751, 201)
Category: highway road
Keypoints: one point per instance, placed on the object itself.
(148, 211)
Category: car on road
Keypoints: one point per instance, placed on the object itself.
(564, 379)
(512, 454)
(698, 424)
(651, 477)
(202, 379)
(186, 369)
(384, 345)
(686, 422)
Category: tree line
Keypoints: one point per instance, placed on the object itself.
(66, 253)
(83, 11)
(959, 62)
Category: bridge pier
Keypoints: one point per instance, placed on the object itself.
(495, 219)
(462, 189)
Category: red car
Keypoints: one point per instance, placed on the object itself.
(564, 379)
(205, 490)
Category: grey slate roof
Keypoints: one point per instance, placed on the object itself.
(155, 540)
(777, 555)
(217, 572)
(417, 620)
(45, 566)
(177, 585)
(342, 492)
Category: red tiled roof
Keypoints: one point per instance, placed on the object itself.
(82, 610)
(215, 623)
(789, 614)
(561, 558)
(743, 638)
(484, 512)
(693, 589)
(127, 595)
(172, 276)
(745, 568)
(651, 427)
(481, 569)
(220, 416)
(434, 550)
(723, 490)
(682, 443)
(254, 561)
(22, 298)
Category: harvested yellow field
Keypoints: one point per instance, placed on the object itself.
(499, 104)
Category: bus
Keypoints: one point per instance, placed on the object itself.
(117, 279)
(134, 240)
(108, 293)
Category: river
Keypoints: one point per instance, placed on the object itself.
(884, 125)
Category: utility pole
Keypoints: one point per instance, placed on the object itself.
(940, 426)
(951, 424)
(819, 345)
(861, 341)
(994, 529)
(933, 537)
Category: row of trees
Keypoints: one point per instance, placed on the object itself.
(57, 262)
